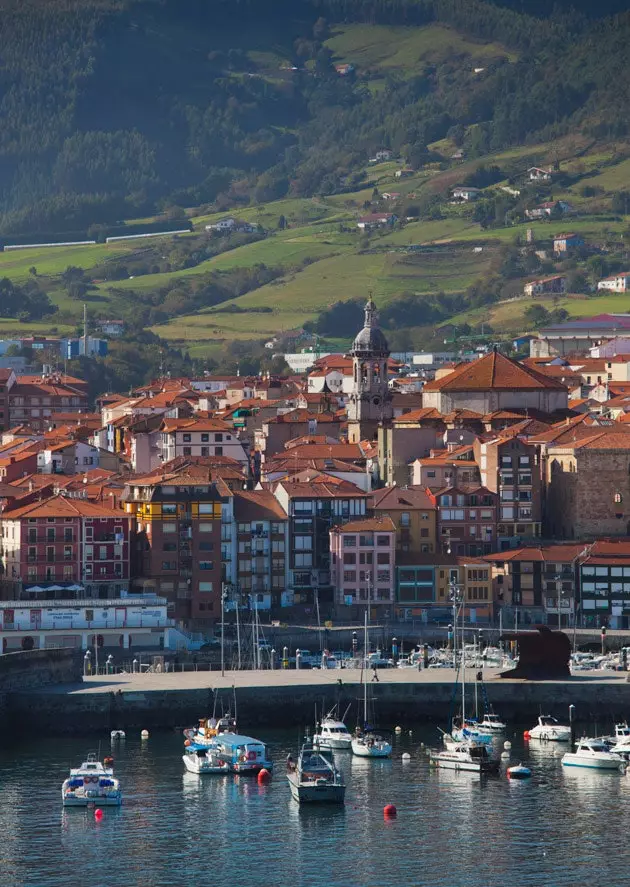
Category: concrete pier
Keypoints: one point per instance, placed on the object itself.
(288, 698)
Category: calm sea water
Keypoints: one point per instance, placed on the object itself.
(175, 828)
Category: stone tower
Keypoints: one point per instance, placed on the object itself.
(370, 402)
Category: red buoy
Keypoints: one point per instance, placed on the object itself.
(526, 735)
(264, 776)
(389, 810)
(98, 814)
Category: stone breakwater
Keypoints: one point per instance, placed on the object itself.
(286, 699)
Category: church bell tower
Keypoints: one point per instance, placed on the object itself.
(370, 402)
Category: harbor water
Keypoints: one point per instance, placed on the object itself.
(563, 827)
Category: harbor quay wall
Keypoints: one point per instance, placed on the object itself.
(289, 705)
(29, 669)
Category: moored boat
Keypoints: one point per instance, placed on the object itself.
(492, 722)
(242, 754)
(210, 728)
(204, 759)
(370, 743)
(549, 730)
(91, 783)
(594, 755)
(332, 733)
(315, 779)
(468, 755)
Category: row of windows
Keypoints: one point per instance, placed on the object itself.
(366, 557)
(365, 576)
(366, 540)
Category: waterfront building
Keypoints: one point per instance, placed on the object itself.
(121, 623)
(425, 586)
(261, 551)
(60, 543)
(538, 582)
(604, 597)
(177, 514)
(362, 555)
(313, 509)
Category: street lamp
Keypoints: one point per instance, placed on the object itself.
(455, 595)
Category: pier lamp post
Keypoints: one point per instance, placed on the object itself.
(87, 663)
(456, 597)
(224, 595)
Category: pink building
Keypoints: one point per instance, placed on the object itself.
(362, 567)
(65, 545)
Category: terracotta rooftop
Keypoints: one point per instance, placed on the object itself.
(375, 524)
(193, 424)
(252, 505)
(62, 506)
(494, 371)
(539, 553)
(403, 498)
(321, 490)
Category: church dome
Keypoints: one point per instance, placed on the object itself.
(371, 339)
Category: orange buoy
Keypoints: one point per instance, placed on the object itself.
(526, 735)
(98, 814)
(264, 776)
(389, 810)
(108, 761)
(187, 743)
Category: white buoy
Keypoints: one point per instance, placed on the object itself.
(144, 734)
(505, 756)
(507, 745)
(406, 756)
(398, 730)
(411, 732)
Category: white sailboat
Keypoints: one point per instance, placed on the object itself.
(366, 742)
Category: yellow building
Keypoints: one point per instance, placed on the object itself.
(414, 516)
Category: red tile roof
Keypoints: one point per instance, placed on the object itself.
(494, 371)
(376, 524)
(62, 506)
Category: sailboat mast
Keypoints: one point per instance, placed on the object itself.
(365, 681)
(463, 675)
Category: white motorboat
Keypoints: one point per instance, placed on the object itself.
(621, 739)
(594, 754)
(315, 779)
(549, 730)
(492, 722)
(518, 771)
(333, 733)
(468, 755)
(91, 783)
(370, 744)
(203, 759)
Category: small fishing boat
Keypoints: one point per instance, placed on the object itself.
(549, 730)
(242, 754)
(315, 779)
(468, 755)
(593, 754)
(333, 733)
(210, 728)
(519, 771)
(203, 759)
(492, 722)
(91, 783)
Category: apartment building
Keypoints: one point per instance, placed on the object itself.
(262, 549)
(199, 437)
(313, 509)
(34, 400)
(61, 544)
(413, 514)
(466, 519)
(362, 557)
(511, 468)
(177, 514)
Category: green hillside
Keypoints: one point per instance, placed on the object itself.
(158, 112)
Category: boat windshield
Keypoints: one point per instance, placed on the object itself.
(548, 722)
(478, 751)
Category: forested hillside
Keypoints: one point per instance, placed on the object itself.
(114, 109)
